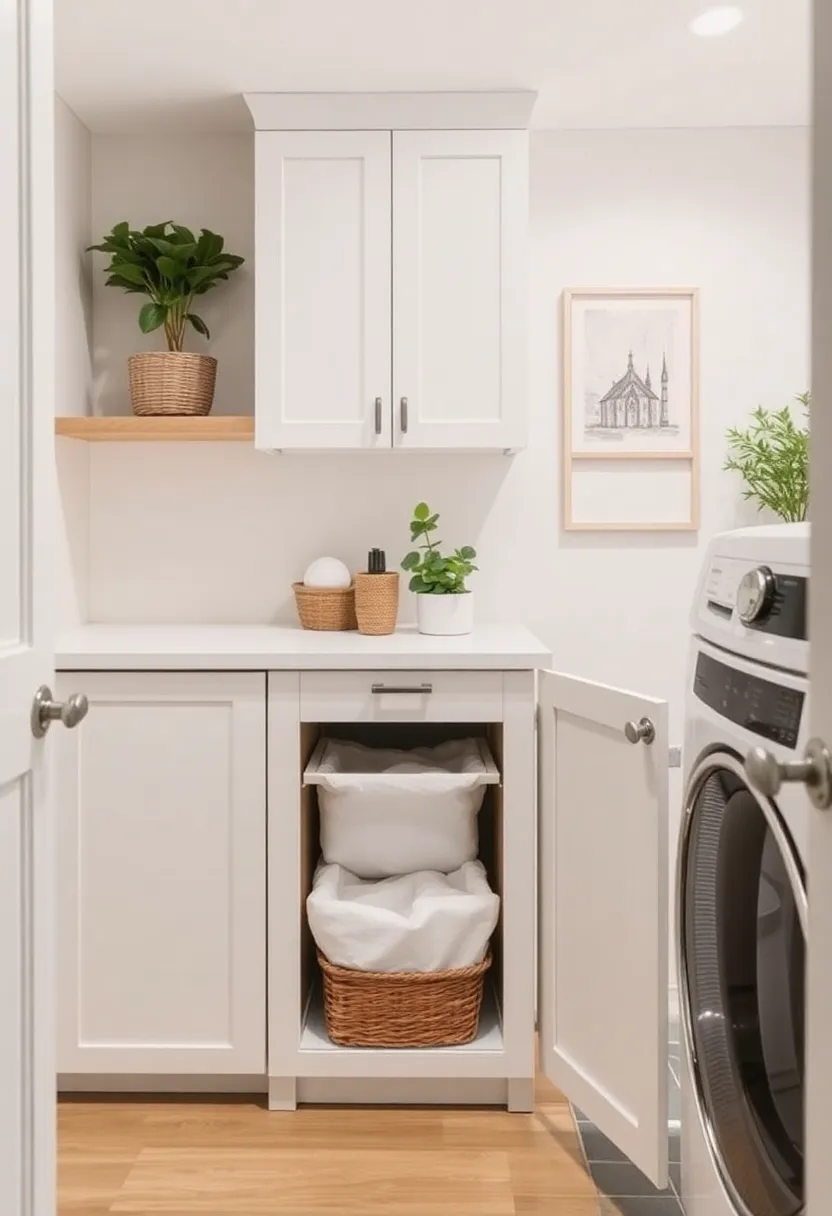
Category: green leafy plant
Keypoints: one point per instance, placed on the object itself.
(431, 573)
(772, 457)
(170, 265)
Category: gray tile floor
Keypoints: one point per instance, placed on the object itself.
(622, 1188)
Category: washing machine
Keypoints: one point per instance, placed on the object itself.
(740, 892)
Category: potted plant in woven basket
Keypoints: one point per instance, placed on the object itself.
(171, 266)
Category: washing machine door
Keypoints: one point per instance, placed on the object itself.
(742, 957)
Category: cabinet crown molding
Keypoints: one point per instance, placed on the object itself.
(508, 110)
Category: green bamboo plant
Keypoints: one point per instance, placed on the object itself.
(171, 266)
(772, 457)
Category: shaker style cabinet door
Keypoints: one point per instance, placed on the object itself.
(603, 936)
(161, 806)
(460, 212)
(322, 315)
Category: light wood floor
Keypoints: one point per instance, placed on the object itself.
(234, 1158)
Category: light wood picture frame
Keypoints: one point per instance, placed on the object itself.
(631, 409)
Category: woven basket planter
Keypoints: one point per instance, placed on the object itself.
(376, 602)
(325, 608)
(402, 1009)
(172, 383)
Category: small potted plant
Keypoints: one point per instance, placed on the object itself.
(772, 457)
(171, 266)
(444, 605)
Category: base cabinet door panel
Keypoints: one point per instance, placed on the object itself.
(161, 874)
(602, 972)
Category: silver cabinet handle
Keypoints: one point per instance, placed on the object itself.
(640, 732)
(767, 774)
(378, 415)
(403, 415)
(45, 711)
(418, 690)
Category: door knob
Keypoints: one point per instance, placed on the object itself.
(45, 711)
(767, 774)
(640, 732)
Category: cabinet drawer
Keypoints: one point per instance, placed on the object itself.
(401, 696)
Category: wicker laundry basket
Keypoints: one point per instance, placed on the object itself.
(325, 608)
(402, 1009)
(172, 382)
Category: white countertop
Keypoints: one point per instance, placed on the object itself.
(290, 648)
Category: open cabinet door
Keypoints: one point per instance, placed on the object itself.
(603, 897)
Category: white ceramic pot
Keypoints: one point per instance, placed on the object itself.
(445, 615)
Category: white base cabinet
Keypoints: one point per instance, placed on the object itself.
(165, 856)
(161, 874)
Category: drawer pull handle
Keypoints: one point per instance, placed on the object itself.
(417, 690)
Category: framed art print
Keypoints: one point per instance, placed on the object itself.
(631, 394)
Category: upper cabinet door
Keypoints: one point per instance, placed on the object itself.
(603, 910)
(460, 207)
(323, 239)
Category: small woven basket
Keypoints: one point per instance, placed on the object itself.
(376, 602)
(325, 608)
(402, 1009)
(172, 382)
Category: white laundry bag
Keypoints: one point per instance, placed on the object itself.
(386, 812)
(417, 922)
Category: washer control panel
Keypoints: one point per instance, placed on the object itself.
(767, 600)
(770, 710)
(756, 594)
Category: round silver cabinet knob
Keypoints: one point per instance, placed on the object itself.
(45, 711)
(755, 594)
(640, 732)
(768, 775)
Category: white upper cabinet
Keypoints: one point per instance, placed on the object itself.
(322, 326)
(460, 211)
(603, 861)
(391, 275)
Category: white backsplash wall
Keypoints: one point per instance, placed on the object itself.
(202, 181)
(218, 532)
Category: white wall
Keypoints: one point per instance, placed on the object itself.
(218, 532)
(73, 343)
(202, 181)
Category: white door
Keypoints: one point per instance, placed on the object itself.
(322, 227)
(819, 1000)
(460, 219)
(27, 1075)
(162, 875)
(602, 973)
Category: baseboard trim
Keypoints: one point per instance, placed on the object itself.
(141, 1083)
(409, 1091)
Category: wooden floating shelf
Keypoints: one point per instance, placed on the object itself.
(132, 429)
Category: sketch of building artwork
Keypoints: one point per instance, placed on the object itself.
(632, 403)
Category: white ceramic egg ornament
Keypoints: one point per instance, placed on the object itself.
(327, 572)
